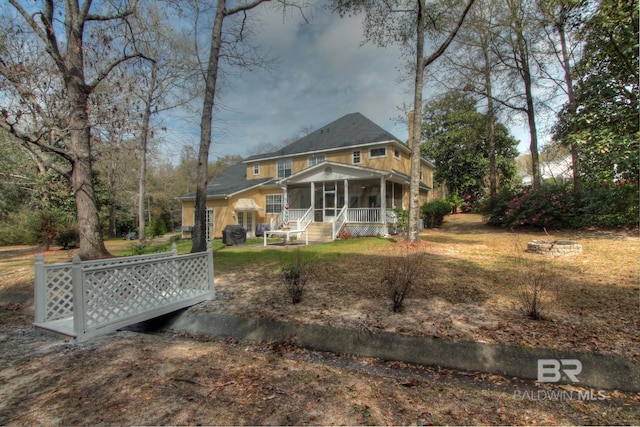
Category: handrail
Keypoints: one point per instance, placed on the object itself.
(306, 219)
(339, 222)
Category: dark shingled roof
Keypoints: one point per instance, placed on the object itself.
(348, 131)
(232, 180)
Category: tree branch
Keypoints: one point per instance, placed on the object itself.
(244, 7)
(443, 47)
(86, 16)
(49, 36)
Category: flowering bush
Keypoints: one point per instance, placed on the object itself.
(550, 207)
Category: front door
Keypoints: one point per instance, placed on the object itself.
(245, 219)
(329, 201)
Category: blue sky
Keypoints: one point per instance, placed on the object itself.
(322, 72)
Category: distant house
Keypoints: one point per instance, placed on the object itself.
(560, 171)
(349, 174)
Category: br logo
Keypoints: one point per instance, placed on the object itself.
(551, 370)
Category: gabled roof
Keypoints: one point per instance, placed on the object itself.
(232, 180)
(351, 130)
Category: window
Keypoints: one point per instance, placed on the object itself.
(284, 168)
(314, 159)
(274, 203)
(256, 168)
(396, 153)
(356, 157)
(378, 152)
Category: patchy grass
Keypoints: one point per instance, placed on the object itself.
(470, 288)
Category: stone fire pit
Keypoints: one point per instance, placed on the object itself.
(556, 248)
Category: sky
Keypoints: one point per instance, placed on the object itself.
(322, 72)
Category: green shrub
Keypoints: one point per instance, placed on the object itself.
(434, 212)
(402, 216)
(549, 207)
(553, 206)
(610, 204)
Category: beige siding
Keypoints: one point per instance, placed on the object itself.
(224, 208)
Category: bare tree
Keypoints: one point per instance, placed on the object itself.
(222, 12)
(165, 80)
(558, 20)
(82, 63)
(515, 50)
(403, 21)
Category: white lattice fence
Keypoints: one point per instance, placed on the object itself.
(105, 296)
(54, 289)
(366, 230)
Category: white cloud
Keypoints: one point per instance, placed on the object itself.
(322, 73)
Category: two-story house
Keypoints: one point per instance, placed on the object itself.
(349, 174)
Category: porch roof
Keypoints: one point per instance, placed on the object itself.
(331, 171)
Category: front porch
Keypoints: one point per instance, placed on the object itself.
(359, 222)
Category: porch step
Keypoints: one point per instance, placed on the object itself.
(320, 231)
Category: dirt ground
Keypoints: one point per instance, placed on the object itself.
(132, 378)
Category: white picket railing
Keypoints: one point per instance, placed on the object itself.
(86, 299)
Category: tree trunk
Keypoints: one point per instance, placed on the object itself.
(144, 141)
(91, 242)
(200, 223)
(522, 59)
(491, 122)
(575, 158)
(413, 233)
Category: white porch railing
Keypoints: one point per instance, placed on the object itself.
(340, 221)
(371, 215)
(87, 299)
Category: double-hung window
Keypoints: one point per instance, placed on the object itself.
(274, 203)
(284, 168)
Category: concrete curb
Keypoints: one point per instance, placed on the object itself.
(598, 371)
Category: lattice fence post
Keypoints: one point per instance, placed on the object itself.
(174, 249)
(40, 290)
(210, 278)
(78, 298)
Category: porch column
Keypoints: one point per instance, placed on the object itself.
(313, 199)
(383, 201)
(285, 197)
(346, 196)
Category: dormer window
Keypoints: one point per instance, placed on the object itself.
(315, 159)
(256, 168)
(378, 152)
